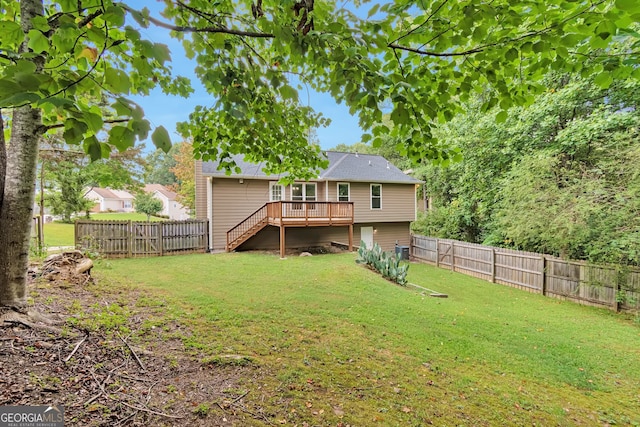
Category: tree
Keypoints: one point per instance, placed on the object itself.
(68, 196)
(147, 204)
(558, 176)
(55, 56)
(185, 174)
(66, 173)
(158, 167)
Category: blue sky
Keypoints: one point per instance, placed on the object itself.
(167, 110)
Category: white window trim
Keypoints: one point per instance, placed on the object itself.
(348, 184)
(282, 193)
(304, 191)
(371, 197)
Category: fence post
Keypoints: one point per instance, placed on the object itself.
(160, 237)
(616, 301)
(493, 265)
(543, 275)
(75, 234)
(437, 252)
(130, 239)
(453, 255)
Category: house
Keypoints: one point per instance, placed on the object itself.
(171, 207)
(357, 197)
(108, 200)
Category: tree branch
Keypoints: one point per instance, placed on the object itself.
(60, 125)
(394, 45)
(423, 24)
(187, 29)
(7, 57)
(438, 54)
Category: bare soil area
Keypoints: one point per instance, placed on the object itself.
(118, 375)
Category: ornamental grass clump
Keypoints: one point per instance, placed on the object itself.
(387, 265)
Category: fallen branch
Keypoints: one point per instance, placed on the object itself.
(150, 411)
(133, 352)
(239, 397)
(66, 359)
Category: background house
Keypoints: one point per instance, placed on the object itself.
(107, 200)
(382, 198)
(171, 207)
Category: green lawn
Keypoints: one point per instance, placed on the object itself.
(61, 234)
(58, 234)
(334, 343)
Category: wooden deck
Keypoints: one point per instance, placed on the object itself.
(285, 214)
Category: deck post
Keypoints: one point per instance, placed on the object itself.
(282, 243)
(350, 237)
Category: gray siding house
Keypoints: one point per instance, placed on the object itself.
(357, 197)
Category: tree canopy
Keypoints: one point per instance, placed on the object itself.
(147, 204)
(559, 176)
(420, 59)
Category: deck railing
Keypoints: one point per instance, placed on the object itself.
(246, 228)
(290, 213)
(310, 213)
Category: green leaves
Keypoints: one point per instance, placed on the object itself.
(160, 138)
(628, 5)
(116, 81)
(38, 42)
(12, 35)
(121, 137)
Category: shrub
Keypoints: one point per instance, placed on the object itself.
(387, 265)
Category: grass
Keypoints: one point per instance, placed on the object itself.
(61, 234)
(58, 234)
(334, 343)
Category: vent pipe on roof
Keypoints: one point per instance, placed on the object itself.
(388, 165)
(369, 162)
(356, 154)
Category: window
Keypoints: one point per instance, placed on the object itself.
(303, 191)
(275, 192)
(127, 204)
(376, 196)
(343, 192)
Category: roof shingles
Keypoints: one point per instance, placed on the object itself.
(342, 167)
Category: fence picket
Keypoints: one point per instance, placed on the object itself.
(616, 287)
(126, 239)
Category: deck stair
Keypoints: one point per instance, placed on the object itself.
(291, 214)
(247, 228)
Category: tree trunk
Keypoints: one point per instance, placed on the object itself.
(3, 158)
(16, 209)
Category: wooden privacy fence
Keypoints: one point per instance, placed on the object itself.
(127, 239)
(616, 287)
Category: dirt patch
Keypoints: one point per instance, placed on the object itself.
(109, 367)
